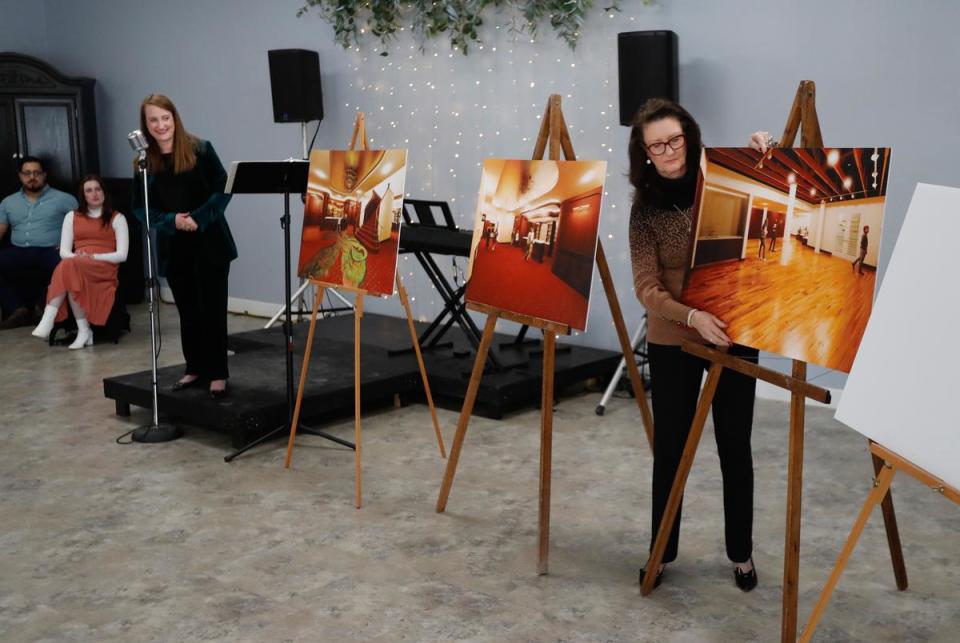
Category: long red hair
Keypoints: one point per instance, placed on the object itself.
(184, 143)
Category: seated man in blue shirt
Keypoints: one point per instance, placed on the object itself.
(34, 215)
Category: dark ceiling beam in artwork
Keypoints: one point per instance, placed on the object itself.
(883, 172)
(846, 169)
(750, 157)
(745, 160)
(818, 169)
(803, 171)
(863, 181)
(737, 159)
(731, 158)
(811, 170)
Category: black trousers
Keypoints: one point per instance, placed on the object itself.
(24, 275)
(200, 291)
(675, 380)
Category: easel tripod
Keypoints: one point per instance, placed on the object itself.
(553, 129)
(286, 177)
(359, 138)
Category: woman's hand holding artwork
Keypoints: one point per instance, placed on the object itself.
(709, 327)
(761, 141)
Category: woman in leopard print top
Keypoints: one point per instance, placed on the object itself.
(665, 149)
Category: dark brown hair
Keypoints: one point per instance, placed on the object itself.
(107, 213)
(184, 143)
(29, 159)
(642, 173)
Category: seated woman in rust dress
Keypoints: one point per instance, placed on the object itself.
(94, 240)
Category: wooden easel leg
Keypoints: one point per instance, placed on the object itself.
(423, 369)
(357, 472)
(555, 116)
(880, 491)
(625, 346)
(465, 412)
(303, 377)
(791, 554)
(680, 480)
(893, 532)
(546, 450)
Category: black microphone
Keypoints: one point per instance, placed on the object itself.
(138, 142)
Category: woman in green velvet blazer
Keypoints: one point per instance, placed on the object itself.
(185, 181)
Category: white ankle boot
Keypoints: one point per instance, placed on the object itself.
(84, 335)
(46, 323)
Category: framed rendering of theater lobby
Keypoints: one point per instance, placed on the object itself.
(351, 218)
(535, 238)
(786, 247)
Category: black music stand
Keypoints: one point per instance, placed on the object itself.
(277, 177)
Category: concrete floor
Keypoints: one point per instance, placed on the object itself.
(167, 542)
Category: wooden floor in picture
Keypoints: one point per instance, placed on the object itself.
(797, 302)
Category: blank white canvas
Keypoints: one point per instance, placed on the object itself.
(903, 389)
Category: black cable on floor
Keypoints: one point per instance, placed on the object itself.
(121, 437)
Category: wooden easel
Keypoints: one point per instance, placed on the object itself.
(803, 115)
(359, 137)
(891, 465)
(552, 129)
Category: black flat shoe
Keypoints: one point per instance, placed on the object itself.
(656, 581)
(220, 394)
(745, 580)
(180, 385)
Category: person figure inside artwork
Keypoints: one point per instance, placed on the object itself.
(664, 150)
(763, 233)
(93, 242)
(185, 181)
(864, 243)
(34, 215)
(773, 236)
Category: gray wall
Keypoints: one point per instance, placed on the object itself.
(885, 72)
(23, 27)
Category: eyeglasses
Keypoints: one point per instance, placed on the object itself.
(32, 173)
(675, 143)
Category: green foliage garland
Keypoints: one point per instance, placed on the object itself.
(461, 19)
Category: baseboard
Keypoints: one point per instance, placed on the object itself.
(251, 307)
(236, 305)
(768, 391)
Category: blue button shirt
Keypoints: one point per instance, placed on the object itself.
(36, 224)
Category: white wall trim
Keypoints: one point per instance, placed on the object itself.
(252, 307)
(237, 305)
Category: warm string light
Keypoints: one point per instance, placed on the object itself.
(416, 100)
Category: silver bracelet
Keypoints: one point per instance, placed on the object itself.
(690, 315)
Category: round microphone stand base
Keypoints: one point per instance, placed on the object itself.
(155, 433)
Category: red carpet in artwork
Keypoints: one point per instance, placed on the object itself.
(503, 278)
(380, 265)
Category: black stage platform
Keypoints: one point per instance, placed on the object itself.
(257, 401)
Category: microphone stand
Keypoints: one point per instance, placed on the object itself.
(154, 432)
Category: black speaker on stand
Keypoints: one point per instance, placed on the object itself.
(295, 88)
(647, 63)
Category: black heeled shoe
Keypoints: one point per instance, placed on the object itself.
(180, 384)
(656, 581)
(219, 394)
(746, 581)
